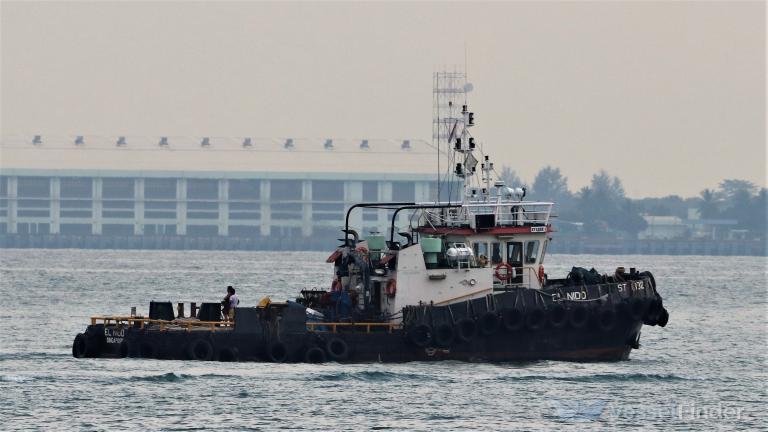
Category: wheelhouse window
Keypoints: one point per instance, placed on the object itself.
(481, 253)
(515, 254)
(531, 251)
(495, 253)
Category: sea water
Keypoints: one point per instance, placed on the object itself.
(705, 370)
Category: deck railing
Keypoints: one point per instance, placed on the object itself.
(506, 213)
(528, 275)
(188, 325)
(162, 324)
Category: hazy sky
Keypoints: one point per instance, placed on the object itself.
(669, 96)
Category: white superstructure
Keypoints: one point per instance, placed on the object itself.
(490, 240)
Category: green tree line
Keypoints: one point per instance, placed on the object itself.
(603, 207)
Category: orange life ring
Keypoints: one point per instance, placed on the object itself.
(510, 273)
(391, 288)
(541, 273)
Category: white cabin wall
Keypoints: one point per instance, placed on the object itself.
(414, 285)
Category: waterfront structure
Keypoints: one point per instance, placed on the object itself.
(664, 228)
(206, 192)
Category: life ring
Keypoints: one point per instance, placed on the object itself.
(338, 349)
(510, 273)
(466, 329)
(444, 335)
(391, 288)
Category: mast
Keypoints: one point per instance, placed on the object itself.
(449, 96)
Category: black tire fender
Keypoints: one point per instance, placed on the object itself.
(338, 349)
(444, 335)
(315, 355)
(578, 316)
(558, 316)
(200, 349)
(277, 352)
(228, 354)
(606, 318)
(421, 335)
(535, 319)
(488, 323)
(94, 343)
(513, 319)
(466, 329)
(651, 316)
(80, 346)
(663, 317)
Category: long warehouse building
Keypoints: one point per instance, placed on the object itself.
(203, 193)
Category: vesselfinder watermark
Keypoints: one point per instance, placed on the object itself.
(685, 411)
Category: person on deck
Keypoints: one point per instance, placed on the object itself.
(229, 304)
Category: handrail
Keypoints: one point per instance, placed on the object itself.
(368, 205)
(219, 325)
(312, 326)
(417, 207)
(522, 271)
(526, 212)
(163, 324)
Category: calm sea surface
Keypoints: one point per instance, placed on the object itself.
(705, 370)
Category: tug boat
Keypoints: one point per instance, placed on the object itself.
(465, 281)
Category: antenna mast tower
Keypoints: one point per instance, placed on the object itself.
(450, 123)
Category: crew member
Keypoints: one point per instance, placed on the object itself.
(229, 304)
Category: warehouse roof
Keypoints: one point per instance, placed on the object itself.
(226, 156)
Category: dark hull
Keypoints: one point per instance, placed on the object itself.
(601, 323)
(548, 344)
